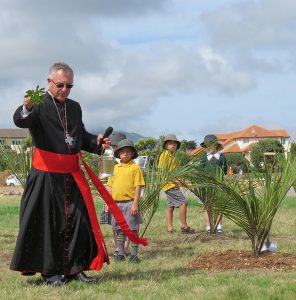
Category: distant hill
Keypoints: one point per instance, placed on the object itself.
(133, 136)
(129, 135)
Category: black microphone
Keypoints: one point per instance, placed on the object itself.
(107, 133)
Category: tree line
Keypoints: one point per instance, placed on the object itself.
(151, 147)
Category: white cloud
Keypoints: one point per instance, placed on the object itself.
(256, 34)
(128, 56)
(259, 24)
(105, 8)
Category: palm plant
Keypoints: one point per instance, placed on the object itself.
(202, 186)
(209, 194)
(155, 179)
(253, 202)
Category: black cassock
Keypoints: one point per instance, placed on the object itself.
(55, 234)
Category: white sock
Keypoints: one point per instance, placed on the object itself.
(219, 226)
(208, 228)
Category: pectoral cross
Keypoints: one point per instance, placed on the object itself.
(69, 140)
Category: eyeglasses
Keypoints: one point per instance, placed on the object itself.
(60, 85)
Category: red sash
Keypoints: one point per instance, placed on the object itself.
(65, 163)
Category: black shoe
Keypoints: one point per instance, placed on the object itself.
(81, 276)
(54, 280)
(134, 259)
(119, 258)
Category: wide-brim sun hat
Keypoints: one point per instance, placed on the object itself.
(116, 137)
(125, 143)
(171, 137)
(210, 140)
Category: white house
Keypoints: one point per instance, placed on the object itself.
(241, 141)
(13, 138)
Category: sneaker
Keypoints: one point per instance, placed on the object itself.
(208, 231)
(187, 230)
(134, 259)
(119, 258)
(220, 230)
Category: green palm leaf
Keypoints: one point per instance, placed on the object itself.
(155, 180)
(253, 202)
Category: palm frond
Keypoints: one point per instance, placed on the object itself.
(253, 202)
(155, 179)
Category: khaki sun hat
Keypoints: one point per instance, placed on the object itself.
(126, 143)
(171, 137)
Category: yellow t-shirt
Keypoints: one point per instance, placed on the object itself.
(125, 180)
(169, 162)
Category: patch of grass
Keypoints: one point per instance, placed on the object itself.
(9, 212)
(163, 272)
(289, 202)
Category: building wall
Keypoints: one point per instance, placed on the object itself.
(245, 142)
(12, 141)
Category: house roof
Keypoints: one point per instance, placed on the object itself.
(234, 148)
(253, 131)
(14, 133)
(196, 151)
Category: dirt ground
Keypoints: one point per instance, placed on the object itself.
(8, 190)
(242, 260)
(3, 176)
(239, 259)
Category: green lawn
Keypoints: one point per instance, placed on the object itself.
(163, 272)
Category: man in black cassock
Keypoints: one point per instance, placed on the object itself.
(55, 236)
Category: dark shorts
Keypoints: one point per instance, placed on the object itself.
(175, 198)
(133, 221)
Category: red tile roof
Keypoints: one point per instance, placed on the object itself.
(234, 148)
(196, 151)
(253, 131)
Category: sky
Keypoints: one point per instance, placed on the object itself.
(157, 67)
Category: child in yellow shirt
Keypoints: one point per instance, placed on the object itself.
(175, 197)
(125, 186)
(106, 217)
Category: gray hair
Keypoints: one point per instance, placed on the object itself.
(60, 66)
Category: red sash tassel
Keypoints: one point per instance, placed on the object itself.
(64, 163)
